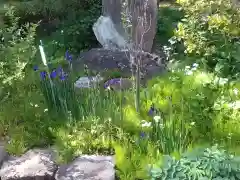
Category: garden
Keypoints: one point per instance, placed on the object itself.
(188, 122)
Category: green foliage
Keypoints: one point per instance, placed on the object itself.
(68, 22)
(209, 163)
(17, 48)
(191, 108)
(170, 135)
(60, 95)
(209, 34)
(168, 17)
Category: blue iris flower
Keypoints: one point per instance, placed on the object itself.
(62, 77)
(43, 74)
(53, 74)
(68, 56)
(60, 70)
(142, 134)
(152, 111)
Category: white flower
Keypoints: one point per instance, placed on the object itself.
(194, 69)
(188, 73)
(36, 105)
(223, 81)
(235, 91)
(145, 123)
(157, 118)
(235, 105)
(195, 65)
(187, 67)
(45, 110)
(192, 123)
(161, 126)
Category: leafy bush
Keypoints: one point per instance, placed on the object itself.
(17, 47)
(209, 33)
(192, 106)
(210, 163)
(68, 22)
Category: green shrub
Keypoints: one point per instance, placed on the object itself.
(209, 32)
(17, 47)
(68, 22)
(210, 163)
(193, 108)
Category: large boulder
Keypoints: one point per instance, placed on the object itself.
(33, 165)
(107, 34)
(88, 168)
(101, 60)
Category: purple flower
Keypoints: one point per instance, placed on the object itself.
(111, 82)
(68, 56)
(53, 74)
(43, 74)
(35, 67)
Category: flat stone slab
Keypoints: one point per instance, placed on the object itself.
(33, 165)
(88, 168)
(88, 82)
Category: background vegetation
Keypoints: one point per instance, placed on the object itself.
(195, 104)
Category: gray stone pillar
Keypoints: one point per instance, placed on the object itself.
(113, 8)
(147, 11)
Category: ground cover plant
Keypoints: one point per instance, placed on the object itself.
(195, 104)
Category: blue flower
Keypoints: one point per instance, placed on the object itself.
(35, 67)
(142, 135)
(62, 77)
(53, 74)
(43, 74)
(151, 111)
(60, 69)
(68, 56)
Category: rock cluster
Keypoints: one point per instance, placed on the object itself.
(40, 164)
